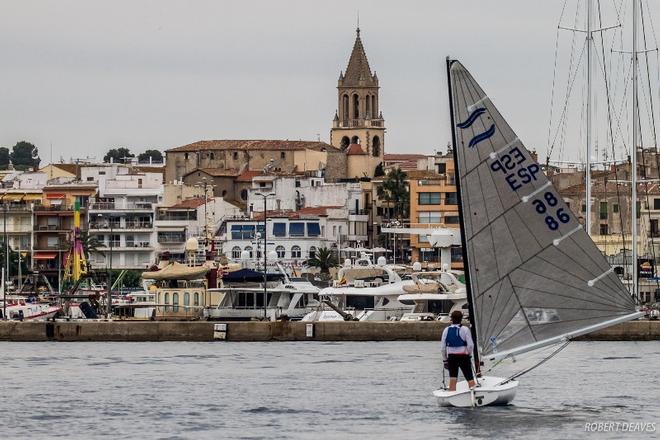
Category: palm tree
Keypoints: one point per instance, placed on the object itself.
(395, 189)
(324, 259)
(90, 243)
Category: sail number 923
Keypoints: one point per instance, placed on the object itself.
(544, 206)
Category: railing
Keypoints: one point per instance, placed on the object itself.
(114, 225)
(17, 208)
(116, 205)
(358, 212)
(137, 244)
(56, 208)
(360, 123)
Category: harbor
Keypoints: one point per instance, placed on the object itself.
(256, 331)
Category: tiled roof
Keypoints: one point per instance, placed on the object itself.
(188, 204)
(319, 211)
(216, 172)
(354, 149)
(358, 66)
(250, 145)
(68, 167)
(247, 176)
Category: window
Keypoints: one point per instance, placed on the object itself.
(428, 217)
(442, 168)
(296, 229)
(282, 155)
(185, 157)
(244, 194)
(456, 254)
(312, 252)
(279, 229)
(313, 230)
(281, 252)
(656, 203)
(167, 298)
(235, 155)
(451, 220)
(236, 252)
(212, 156)
(90, 179)
(603, 212)
(175, 302)
(428, 198)
(186, 299)
(248, 249)
(603, 229)
(196, 299)
(615, 207)
(451, 198)
(584, 208)
(295, 252)
(242, 232)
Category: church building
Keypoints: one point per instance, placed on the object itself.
(358, 128)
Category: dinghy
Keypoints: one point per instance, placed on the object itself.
(534, 277)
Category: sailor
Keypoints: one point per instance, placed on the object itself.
(457, 346)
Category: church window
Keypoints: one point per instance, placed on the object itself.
(375, 150)
(235, 155)
(356, 107)
(345, 141)
(355, 140)
(368, 107)
(344, 113)
(282, 155)
(373, 106)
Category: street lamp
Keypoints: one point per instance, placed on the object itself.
(109, 293)
(265, 197)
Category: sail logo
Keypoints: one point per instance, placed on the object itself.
(468, 123)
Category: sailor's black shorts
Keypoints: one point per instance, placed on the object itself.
(462, 361)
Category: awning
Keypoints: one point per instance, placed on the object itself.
(171, 228)
(31, 197)
(55, 196)
(44, 255)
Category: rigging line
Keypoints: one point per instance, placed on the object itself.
(554, 78)
(568, 92)
(527, 370)
(493, 307)
(609, 125)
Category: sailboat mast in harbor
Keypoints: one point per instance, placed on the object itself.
(633, 165)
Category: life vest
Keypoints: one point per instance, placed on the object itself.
(454, 337)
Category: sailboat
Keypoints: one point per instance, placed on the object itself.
(534, 277)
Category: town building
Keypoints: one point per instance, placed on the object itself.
(122, 215)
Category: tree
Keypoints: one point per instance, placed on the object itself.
(394, 190)
(117, 155)
(90, 244)
(155, 156)
(4, 158)
(25, 155)
(324, 259)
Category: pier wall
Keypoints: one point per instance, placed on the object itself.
(143, 331)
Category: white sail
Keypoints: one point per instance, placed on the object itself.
(535, 275)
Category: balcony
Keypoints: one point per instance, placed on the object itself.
(127, 206)
(55, 208)
(115, 226)
(360, 123)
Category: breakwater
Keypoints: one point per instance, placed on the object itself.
(144, 331)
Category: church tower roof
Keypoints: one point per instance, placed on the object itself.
(358, 72)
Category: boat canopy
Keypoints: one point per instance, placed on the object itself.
(176, 271)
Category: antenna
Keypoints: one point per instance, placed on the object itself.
(358, 22)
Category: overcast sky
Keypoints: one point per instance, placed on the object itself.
(88, 75)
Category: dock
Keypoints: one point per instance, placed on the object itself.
(257, 331)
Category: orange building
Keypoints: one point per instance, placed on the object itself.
(433, 204)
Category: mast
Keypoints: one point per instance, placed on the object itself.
(633, 165)
(457, 179)
(589, 116)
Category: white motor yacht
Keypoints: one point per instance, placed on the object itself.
(434, 295)
(363, 291)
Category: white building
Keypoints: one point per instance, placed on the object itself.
(122, 216)
(291, 193)
(190, 218)
(294, 236)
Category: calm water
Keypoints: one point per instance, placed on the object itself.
(173, 390)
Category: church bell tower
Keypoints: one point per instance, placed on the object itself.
(358, 128)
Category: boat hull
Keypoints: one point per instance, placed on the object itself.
(490, 391)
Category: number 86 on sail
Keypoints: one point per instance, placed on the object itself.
(544, 206)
